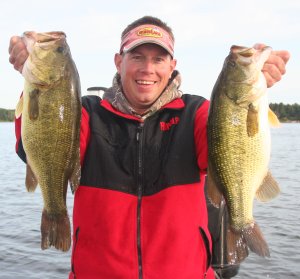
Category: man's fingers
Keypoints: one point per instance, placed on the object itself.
(18, 52)
(259, 46)
(20, 60)
(270, 81)
(276, 62)
(12, 43)
(283, 54)
(275, 66)
(271, 73)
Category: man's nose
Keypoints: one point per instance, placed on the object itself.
(148, 66)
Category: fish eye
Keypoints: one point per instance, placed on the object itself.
(231, 63)
(60, 49)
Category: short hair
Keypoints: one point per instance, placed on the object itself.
(148, 20)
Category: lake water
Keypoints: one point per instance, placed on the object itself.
(20, 213)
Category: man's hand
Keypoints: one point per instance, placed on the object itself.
(17, 53)
(274, 67)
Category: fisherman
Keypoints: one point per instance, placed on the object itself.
(140, 210)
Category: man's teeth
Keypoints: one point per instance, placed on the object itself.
(145, 82)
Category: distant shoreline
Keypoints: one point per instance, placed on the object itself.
(286, 113)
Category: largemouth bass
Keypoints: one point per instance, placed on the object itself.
(51, 111)
(239, 146)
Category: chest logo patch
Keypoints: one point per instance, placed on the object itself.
(166, 126)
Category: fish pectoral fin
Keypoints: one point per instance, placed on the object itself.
(252, 121)
(214, 195)
(31, 181)
(237, 250)
(268, 190)
(273, 119)
(33, 105)
(19, 107)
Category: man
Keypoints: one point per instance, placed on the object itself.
(140, 210)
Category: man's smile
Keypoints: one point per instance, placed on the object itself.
(145, 82)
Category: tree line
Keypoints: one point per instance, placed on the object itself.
(285, 112)
(7, 115)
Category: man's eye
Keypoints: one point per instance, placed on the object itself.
(137, 57)
(159, 59)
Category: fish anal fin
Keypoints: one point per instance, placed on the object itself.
(268, 190)
(19, 107)
(33, 105)
(273, 119)
(56, 231)
(252, 121)
(237, 250)
(31, 181)
(255, 240)
(214, 195)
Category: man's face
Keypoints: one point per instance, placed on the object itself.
(145, 72)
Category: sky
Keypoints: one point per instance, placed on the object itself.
(204, 32)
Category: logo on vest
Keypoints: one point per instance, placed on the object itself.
(166, 126)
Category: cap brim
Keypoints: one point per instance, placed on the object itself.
(137, 43)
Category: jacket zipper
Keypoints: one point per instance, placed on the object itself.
(139, 195)
(73, 254)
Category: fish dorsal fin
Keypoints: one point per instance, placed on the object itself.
(268, 190)
(252, 121)
(213, 193)
(19, 108)
(273, 119)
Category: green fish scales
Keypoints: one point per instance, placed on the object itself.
(51, 114)
(239, 148)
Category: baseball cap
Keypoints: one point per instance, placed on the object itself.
(144, 34)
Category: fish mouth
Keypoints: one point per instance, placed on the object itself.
(243, 51)
(45, 37)
(247, 55)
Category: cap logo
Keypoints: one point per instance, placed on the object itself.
(150, 32)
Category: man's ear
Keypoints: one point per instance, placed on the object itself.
(118, 61)
(173, 64)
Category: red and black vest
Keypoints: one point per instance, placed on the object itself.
(140, 211)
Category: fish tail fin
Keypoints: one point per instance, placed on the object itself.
(237, 249)
(55, 230)
(31, 181)
(255, 240)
